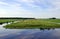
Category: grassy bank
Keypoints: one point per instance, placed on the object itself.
(47, 23)
(7, 20)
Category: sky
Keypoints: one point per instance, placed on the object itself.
(30, 8)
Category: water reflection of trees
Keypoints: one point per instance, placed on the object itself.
(47, 28)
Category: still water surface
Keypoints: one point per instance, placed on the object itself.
(29, 33)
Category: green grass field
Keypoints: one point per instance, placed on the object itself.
(35, 23)
(52, 20)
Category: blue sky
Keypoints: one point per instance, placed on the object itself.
(30, 8)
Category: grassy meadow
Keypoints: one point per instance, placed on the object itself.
(35, 23)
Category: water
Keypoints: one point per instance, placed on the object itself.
(28, 33)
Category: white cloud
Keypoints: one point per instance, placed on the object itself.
(3, 12)
(37, 8)
(3, 3)
(25, 1)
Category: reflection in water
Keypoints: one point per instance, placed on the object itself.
(31, 34)
(42, 33)
(1, 23)
(46, 28)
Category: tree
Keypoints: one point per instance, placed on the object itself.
(53, 18)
